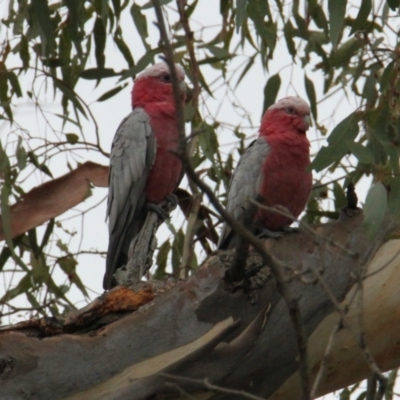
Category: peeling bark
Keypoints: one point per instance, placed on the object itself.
(204, 328)
(54, 197)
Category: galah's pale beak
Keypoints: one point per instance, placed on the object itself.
(307, 121)
(183, 87)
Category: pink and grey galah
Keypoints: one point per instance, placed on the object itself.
(144, 167)
(273, 171)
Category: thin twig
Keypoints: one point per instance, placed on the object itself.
(22, 309)
(190, 46)
(322, 367)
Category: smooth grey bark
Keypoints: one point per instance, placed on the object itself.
(237, 337)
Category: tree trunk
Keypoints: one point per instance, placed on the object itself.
(235, 337)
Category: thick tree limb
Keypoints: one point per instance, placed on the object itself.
(201, 330)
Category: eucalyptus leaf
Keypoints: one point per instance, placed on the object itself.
(310, 90)
(337, 11)
(111, 93)
(375, 209)
(271, 90)
(362, 153)
(240, 13)
(362, 16)
(98, 73)
(394, 198)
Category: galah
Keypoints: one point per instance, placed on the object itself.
(273, 170)
(144, 167)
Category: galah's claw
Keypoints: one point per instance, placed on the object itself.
(290, 229)
(158, 210)
(266, 233)
(172, 199)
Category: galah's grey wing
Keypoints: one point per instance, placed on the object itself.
(132, 157)
(245, 184)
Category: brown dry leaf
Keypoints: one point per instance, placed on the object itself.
(52, 198)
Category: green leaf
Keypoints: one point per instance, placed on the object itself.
(208, 141)
(98, 73)
(72, 138)
(387, 74)
(22, 287)
(393, 154)
(62, 246)
(271, 90)
(140, 65)
(177, 249)
(13, 79)
(346, 131)
(47, 234)
(41, 13)
(394, 198)
(319, 17)
(140, 22)
(76, 20)
(289, 33)
(42, 167)
(68, 265)
(4, 99)
(377, 120)
(340, 197)
(393, 4)
(21, 155)
(310, 90)
(240, 13)
(345, 394)
(362, 396)
(246, 69)
(375, 209)
(123, 48)
(6, 213)
(4, 161)
(362, 153)
(337, 11)
(150, 4)
(326, 156)
(342, 55)
(111, 93)
(100, 37)
(267, 30)
(70, 95)
(117, 8)
(24, 52)
(40, 271)
(162, 259)
(362, 16)
(369, 89)
(4, 256)
(218, 52)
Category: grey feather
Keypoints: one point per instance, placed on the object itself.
(132, 156)
(245, 183)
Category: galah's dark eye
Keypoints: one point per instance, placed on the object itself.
(166, 78)
(290, 110)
